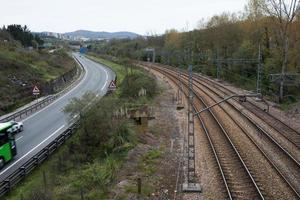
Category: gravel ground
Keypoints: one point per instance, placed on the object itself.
(286, 165)
(206, 167)
(272, 184)
(164, 133)
(290, 147)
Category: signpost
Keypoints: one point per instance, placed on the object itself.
(35, 91)
(112, 86)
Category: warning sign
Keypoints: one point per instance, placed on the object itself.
(112, 85)
(35, 90)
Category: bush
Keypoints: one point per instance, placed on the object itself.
(133, 83)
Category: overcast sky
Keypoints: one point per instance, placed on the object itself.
(138, 16)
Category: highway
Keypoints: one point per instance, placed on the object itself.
(46, 124)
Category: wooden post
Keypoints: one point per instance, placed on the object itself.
(81, 194)
(139, 184)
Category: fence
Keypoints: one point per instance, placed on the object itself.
(36, 160)
(46, 101)
(30, 109)
(19, 174)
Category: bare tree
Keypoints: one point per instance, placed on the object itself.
(283, 12)
(254, 9)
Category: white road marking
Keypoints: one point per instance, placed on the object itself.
(19, 138)
(32, 149)
(56, 99)
(105, 80)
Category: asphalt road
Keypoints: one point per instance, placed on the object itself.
(45, 125)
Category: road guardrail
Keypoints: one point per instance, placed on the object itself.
(20, 173)
(30, 109)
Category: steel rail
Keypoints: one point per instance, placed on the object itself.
(228, 139)
(276, 120)
(263, 131)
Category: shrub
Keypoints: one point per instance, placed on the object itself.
(133, 83)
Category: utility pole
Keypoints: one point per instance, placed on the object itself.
(218, 65)
(180, 91)
(179, 86)
(259, 71)
(256, 61)
(191, 185)
(153, 56)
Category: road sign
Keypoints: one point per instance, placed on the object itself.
(112, 85)
(35, 90)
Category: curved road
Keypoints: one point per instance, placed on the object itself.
(45, 125)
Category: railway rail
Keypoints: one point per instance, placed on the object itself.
(236, 175)
(287, 131)
(293, 164)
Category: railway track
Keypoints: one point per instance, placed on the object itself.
(237, 178)
(285, 164)
(285, 130)
(293, 164)
(289, 133)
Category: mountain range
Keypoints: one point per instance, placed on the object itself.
(101, 35)
(91, 35)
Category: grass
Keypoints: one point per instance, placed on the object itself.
(148, 162)
(88, 162)
(147, 166)
(130, 81)
(146, 189)
(67, 174)
(21, 69)
(288, 105)
(117, 68)
(94, 176)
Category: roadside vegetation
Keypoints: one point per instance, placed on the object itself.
(21, 34)
(86, 166)
(225, 36)
(22, 67)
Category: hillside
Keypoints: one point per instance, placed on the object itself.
(88, 35)
(21, 69)
(101, 35)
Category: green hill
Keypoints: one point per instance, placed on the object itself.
(22, 68)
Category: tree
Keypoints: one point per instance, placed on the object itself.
(172, 44)
(23, 35)
(254, 10)
(283, 12)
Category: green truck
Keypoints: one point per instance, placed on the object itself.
(8, 147)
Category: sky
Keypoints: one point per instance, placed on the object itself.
(139, 16)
